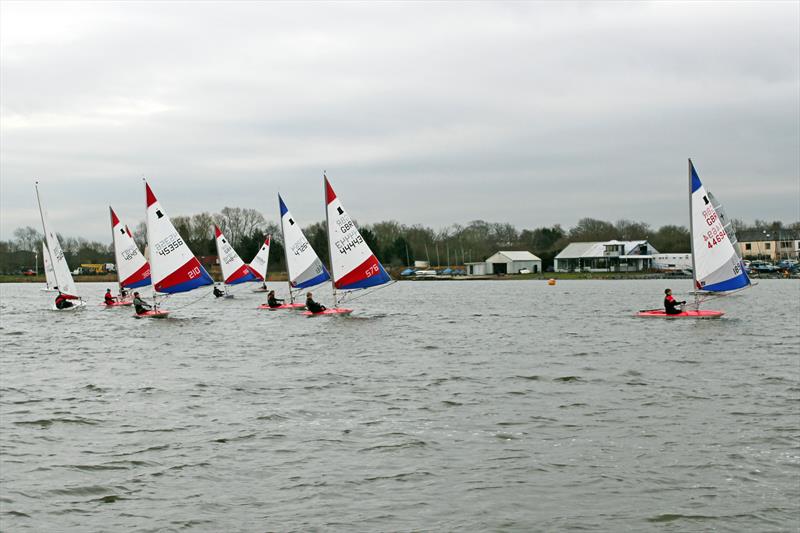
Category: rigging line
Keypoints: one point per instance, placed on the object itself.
(193, 301)
(346, 298)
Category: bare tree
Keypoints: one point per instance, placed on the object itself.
(27, 239)
(238, 223)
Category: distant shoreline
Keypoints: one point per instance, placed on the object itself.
(281, 276)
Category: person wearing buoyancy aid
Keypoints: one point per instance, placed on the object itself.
(62, 302)
(671, 305)
(272, 301)
(313, 306)
(140, 304)
(109, 299)
(218, 292)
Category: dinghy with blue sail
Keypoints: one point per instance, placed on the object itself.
(353, 265)
(234, 271)
(173, 266)
(717, 267)
(133, 270)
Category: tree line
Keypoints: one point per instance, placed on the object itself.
(396, 244)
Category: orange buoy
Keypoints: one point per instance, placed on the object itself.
(551, 281)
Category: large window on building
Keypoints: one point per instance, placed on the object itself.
(748, 246)
(767, 245)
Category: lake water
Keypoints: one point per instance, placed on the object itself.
(437, 406)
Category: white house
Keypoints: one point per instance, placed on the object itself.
(672, 261)
(506, 263)
(608, 256)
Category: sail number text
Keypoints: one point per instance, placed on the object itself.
(169, 244)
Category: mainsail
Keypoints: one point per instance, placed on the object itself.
(304, 266)
(717, 265)
(258, 266)
(63, 276)
(353, 264)
(132, 269)
(234, 270)
(173, 266)
(49, 273)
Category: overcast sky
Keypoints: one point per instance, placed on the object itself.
(531, 113)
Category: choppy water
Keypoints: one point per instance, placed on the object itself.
(436, 406)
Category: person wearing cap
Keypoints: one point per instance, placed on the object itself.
(109, 299)
(671, 305)
(140, 305)
(313, 306)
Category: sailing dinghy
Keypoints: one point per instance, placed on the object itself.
(173, 266)
(133, 271)
(234, 271)
(717, 267)
(303, 265)
(353, 264)
(258, 266)
(62, 277)
(49, 273)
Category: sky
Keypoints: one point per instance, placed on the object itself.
(533, 113)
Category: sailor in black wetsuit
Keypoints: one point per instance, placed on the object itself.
(217, 292)
(313, 306)
(272, 301)
(140, 304)
(671, 305)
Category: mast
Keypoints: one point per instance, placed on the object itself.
(44, 228)
(114, 244)
(285, 254)
(691, 240)
(328, 230)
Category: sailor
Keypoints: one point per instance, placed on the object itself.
(272, 301)
(62, 302)
(139, 304)
(218, 292)
(123, 292)
(671, 305)
(109, 299)
(313, 306)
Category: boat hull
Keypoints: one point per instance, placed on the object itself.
(660, 313)
(152, 314)
(76, 304)
(336, 311)
(282, 307)
(123, 303)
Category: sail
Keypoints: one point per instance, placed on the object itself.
(304, 266)
(353, 264)
(63, 276)
(132, 269)
(727, 224)
(717, 264)
(233, 268)
(173, 266)
(258, 266)
(49, 273)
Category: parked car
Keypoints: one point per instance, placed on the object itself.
(28, 272)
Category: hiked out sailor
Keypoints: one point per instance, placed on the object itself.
(671, 305)
(217, 292)
(62, 302)
(272, 301)
(109, 299)
(313, 306)
(140, 305)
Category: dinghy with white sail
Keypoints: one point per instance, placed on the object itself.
(133, 271)
(717, 267)
(173, 266)
(353, 265)
(303, 265)
(64, 283)
(234, 271)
